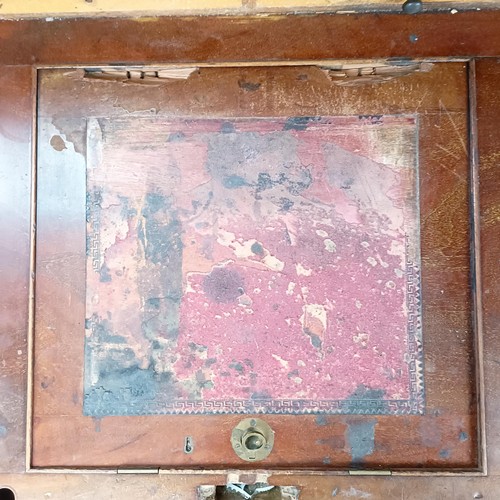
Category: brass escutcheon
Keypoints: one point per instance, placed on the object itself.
(252, 439)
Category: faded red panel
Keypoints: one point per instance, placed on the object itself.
(253, 265)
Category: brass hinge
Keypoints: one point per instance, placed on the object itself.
(361, 74)
(138, 471)
(370, 473)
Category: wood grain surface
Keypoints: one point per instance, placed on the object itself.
(274, 38)
(488, 110)
(15, 191)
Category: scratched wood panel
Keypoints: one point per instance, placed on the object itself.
(254, 39)
(444, 437)
(488, 104)
(15, 188)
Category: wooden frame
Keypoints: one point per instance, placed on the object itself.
(450, 409)
(29, 45)
(249, 40)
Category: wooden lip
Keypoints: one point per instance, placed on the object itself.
(267, 38)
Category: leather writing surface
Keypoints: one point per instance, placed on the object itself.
(253, 266)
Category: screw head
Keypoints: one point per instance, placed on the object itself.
(412, 6)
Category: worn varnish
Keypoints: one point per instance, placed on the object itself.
(444, 437)
(249, 39)
(488, 109)
(15, 187)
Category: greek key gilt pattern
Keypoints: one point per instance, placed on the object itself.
(273, 407)
(93, 210)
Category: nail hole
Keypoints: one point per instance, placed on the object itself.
(7, 494)
(188, 446)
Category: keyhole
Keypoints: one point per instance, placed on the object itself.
(188, 445)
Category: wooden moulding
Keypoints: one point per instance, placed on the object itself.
(476, 277)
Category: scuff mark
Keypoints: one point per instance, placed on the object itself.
(330, 245)
(249, 86)
(301, 270)
(233, 182)
(335, 442)
(57, 142)
(360, 436)
(430, 435)
(223, 285)
(298, 122)
(313, 321)
(355, 493)
(281, 361)
(321, 420)
(97, 424)
(273, 263)
(453, 123)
